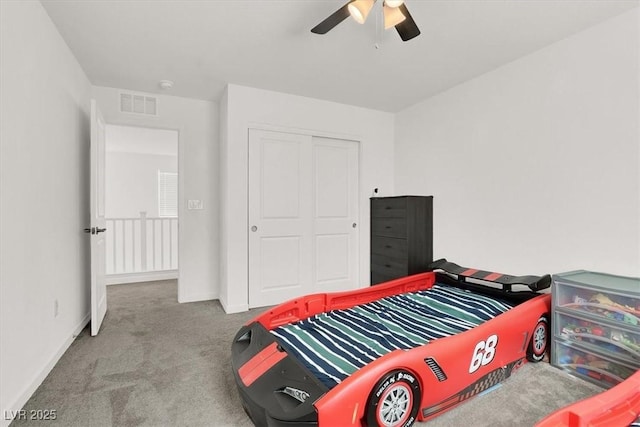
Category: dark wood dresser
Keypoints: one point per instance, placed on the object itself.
(401, 236)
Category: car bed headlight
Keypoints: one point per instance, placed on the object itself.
(299, 395)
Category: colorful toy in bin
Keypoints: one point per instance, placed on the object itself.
(610, 339)
(593, 366)
(603, 305)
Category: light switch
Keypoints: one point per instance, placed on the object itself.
(194, 205)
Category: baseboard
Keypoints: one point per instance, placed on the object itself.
(230, 309)
(39, 378)
(197, 297)
(120, 279)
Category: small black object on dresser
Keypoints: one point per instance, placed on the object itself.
(401, 236)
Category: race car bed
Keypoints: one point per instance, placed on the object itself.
(391, 354)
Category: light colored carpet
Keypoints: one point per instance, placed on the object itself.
(160, 363)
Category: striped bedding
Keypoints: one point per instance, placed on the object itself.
(334, 345)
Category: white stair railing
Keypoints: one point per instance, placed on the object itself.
(141, 245)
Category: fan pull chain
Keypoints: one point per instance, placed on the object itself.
(379, 28)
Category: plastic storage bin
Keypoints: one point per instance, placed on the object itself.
(596, 326)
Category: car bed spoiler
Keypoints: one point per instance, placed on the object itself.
(535, 283)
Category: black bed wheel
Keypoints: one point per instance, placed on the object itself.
(539, 340)
(394, 401)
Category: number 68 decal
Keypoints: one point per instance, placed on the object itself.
(483, 353)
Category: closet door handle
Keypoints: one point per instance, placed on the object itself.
(254, 228)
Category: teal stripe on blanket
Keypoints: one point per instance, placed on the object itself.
(336, 344)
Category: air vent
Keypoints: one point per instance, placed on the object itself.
(138, 104)
(436, 369)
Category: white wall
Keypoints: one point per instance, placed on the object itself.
(535, 166)
(44, 182)
(131, 183)
(244, 107)
(134, 155)
(197, 124)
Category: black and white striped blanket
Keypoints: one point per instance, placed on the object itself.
(335, 344)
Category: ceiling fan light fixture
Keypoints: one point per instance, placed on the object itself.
(392, 16)
(359, 10)
(393, 3)
(398, 17)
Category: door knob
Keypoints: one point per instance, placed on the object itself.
(254, 228)
(354, 225)
(100, 230)
(91, 230)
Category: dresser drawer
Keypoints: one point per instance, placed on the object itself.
(389, 208)
(391, 247)
(389, 266)
(390, 227)
(377, 278)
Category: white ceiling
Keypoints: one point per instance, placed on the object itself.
(203, 45)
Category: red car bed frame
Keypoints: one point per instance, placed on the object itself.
(419, 383)
(618, 406)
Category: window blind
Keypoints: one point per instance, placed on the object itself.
(167, 194)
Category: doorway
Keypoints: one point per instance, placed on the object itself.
(141, 204)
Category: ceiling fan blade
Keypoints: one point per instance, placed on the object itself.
(407, 29)
(334, 19)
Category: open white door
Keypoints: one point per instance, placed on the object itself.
(96, 198)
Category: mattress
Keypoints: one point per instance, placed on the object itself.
(335, 344)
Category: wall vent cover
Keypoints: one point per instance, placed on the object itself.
(138, 104)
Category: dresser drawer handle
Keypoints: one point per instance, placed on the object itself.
(387, 207)
(388, 246)
(387, 227)
(388, 265)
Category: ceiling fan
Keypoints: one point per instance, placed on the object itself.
(395, 12)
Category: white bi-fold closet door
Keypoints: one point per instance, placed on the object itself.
(303, 216)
